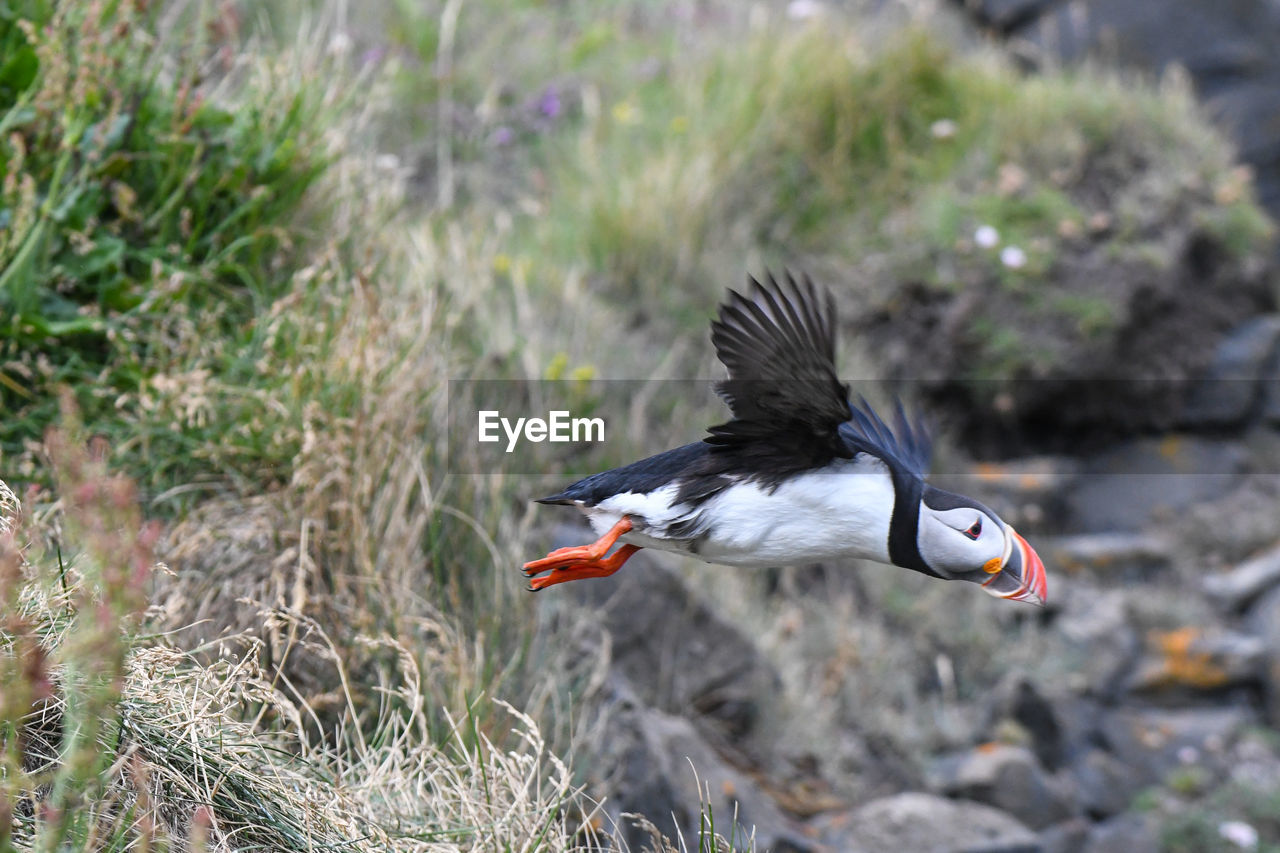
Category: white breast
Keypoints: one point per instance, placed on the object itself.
(841, 511)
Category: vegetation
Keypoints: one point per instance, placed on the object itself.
(255, 315)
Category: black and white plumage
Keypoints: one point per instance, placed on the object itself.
(798, 474)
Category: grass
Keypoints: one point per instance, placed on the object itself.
(140, 207)
(798, 147)
(256, 314)
(1197, 823)
(135, 744)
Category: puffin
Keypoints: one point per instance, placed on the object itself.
(798, 474)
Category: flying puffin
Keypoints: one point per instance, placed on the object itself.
(798, 475)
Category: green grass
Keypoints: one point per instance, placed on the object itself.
(140, 207)
(873, 167)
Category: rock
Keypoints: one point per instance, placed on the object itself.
(924, 823)
(872, 764)
(1151, 742)
(1105, 786)
(1126, 487)
(659, 765)
(1066, 837)
(1009, 778)
(1067, 737)
(1263, 619)
(1097, 641)
(676, 652)
(1271, 399)
(1229, 394)
(1235, 589)
(1017, 698)
(1006, 16)
(1229, 532)
(1127, 833)
(1196, 659)
(1116, 557)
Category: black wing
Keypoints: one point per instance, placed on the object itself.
(788, 405)
(906, 446)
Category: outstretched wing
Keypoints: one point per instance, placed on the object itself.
(787, 402)
(906, 446)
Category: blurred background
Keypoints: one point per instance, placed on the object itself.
(244, 248)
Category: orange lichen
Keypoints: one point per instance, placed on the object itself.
(988, 471)
(1183, 663)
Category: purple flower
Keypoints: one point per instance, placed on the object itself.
(549, 104)
(502, 135)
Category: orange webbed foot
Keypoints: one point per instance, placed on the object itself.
(587, 569)
(582, 561)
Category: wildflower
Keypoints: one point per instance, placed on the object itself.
(339, 44)
(502, 136)
(1239, 833)
(1013, 257)
(804, 10)
(986, 236)
(679, 124)
(625, 112)
(549, 104)
(943, 128)
(556, 369)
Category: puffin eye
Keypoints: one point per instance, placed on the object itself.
(975, 530)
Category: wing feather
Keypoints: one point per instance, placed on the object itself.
(790, 410)
(778, 345)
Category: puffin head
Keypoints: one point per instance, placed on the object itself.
(960, 539)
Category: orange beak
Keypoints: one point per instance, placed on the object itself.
(1022, 577)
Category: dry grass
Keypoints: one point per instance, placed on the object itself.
(217, 753)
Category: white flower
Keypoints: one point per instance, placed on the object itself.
(986, 236)
(1013, 257)
(803, 10)
(339, 44)
(1188, 755)
(1239, 833)
(943, 128)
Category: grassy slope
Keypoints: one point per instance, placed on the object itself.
(632, 160)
